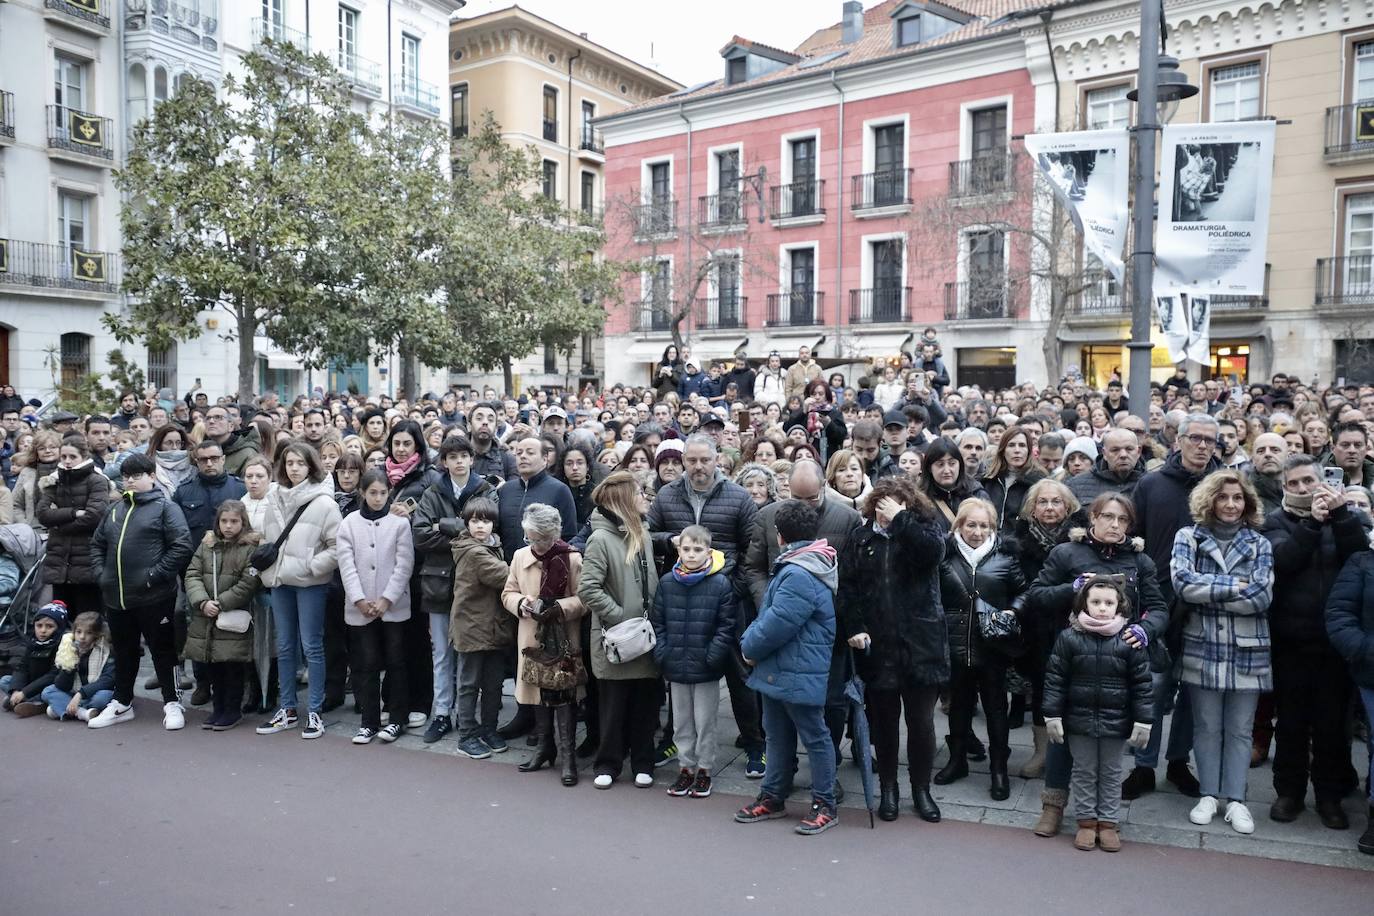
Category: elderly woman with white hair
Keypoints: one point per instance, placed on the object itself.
(541, 590)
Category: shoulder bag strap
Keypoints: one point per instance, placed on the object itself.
(285, 532)
(644, 585)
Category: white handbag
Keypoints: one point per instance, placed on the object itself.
(629, 639)
(228, 621)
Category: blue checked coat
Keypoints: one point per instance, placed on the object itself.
(1226, 628)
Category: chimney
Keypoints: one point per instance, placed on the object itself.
(853, 21)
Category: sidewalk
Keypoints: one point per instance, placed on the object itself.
(1160, 817)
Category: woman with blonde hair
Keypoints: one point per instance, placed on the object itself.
(37, 461)
(845, 479)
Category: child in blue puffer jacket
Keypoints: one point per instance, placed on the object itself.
(694, 624)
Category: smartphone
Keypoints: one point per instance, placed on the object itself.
(410, 503)
(1334, 477)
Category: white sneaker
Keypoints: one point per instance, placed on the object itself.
(417, 720)
(173, 716)
(83, 713)
(52, 713)
(112, 714)
(603, 781)
(644, 780)
(1203, 811)
(1238, 816)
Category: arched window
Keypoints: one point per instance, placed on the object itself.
(160, 84)
(138, 93)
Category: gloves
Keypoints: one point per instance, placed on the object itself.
(1054, 728)
(1140, 736)
(1141, 636)
(552, 612)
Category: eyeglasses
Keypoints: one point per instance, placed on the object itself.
(1197, 440)
(210, 459)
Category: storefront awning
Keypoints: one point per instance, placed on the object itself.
(889, 343)
(719, 348)
(284, 361)
(646, 351)
(787, 346)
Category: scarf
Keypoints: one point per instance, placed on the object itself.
(1047, 537)
(555, 573)
(974, 555)
(715, 562)
(395, 473)
(1301, 506)
(371, 514)
(1224, 533)
(1108, 628)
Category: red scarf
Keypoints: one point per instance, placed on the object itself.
(555, 572)
(397, 472)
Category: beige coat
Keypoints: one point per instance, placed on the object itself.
(524, 580)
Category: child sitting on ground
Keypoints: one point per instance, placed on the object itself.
(694, 625)
(83, 681)
(1098, 697)
(34, 671)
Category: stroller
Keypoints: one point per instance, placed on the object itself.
(21, 587)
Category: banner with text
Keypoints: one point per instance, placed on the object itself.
(1090, 173)
(1214, 189)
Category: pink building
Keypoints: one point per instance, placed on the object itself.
(794, 201)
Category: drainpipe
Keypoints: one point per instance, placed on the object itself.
(839, 217)
(568, 182)
(687, 212)
(1045, 16)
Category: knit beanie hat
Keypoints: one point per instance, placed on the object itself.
(56, 611)
(1083, 445)
(668, 448)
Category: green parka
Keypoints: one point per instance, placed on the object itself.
(220, 571)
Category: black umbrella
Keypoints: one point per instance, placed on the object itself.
(854, 692)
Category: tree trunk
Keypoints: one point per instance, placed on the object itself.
(509, 375)
(248, 356)
(408, 371)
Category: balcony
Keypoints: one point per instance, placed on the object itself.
(90, 16)
(30, 266)
(1345, 283)
(265, 30)
(591, 141)
(721, 314)
(879, 305)
(876, 194)
(983, 176)
(798, 203)
(79, 136)
(365, 76)
(981, 299)
(415, 95)
(656, 218)
(550, 130)
(6, 117)
(652, 315)
(185, 23)
(802, 307)
(719, 212)
(1350, 132)
(1102, 298)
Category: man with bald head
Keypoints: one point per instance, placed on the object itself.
(532, 484)
(1266, 469)
(1118, 468)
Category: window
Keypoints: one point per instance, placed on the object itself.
(1358, 276)
(273, 19)
(889, 164)
(588, 113)
(727, 186)
(658, 292)
(1364, 71)
(73, 219)
(76, 358)
(1108, 108)
(551, 114)
(159, 85)
(986, 273)
(1235, 92)
(588, 193)
(886, 257)
(550, 359)
(459, 105)
(727, 292)
(803, 190)
(908, 31)
(69, 90)
(348, 38)
(162, 366)
(660, 182)
(989, 130)
(736, 70)
(550, 179)
(410, 62)
(802, 285)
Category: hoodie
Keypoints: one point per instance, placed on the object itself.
(790, 643)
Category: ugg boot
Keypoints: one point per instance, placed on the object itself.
(1052, 811)
(1034, 768)
(1107, 837)
(546, 753)
(1086, 837)
(957, 767)
(565, 724)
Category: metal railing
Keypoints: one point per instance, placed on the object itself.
(796, 307)
(96, 12)
(879, 304)
(724, 209)
(653, 315)
(800, 198)
(657, 217)
(992, 174)
(721, 313)
(979, 299)
(591, 140)
(80, 132)
(551, 129)
(415, 94)
(267, 30)
(7, 114)
(1350, 129)
(364, 74)
(1347, 281)
(58, 266)
(888, 188)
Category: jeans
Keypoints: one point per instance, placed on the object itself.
(1367, 695)
(783, 724)
(1166, 686)
(57, 700)
(885, 709)
(298, 612)
(1223, 723)
(375, 647)
(696, 707)
(444, 663)
(1311, 697)
(629, 715)
(479, 685)
(1097, 777)
(154, 624)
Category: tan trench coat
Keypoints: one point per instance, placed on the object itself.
(524, 580)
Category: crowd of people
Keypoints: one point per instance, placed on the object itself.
(1042, 554)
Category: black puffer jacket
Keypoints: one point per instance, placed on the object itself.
(1007, 499)
(727, 512)
(890, 589)
(84, 489)
(1350, 617)
(1161, 511)
(140, 548)
(435, 524)
(1097, 480)
(1098, 685)
(950, 499)
(695, 626)
(1308, 556)
(998, 581)
(200, 497)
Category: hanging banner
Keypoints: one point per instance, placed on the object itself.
(1214, 189)
(1090, 173)
(4, 256)
(88, 265)
(88, 130)
(1185, 320)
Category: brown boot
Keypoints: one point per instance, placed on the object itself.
(1107, 837)
(1086, 838)
(1052, 814)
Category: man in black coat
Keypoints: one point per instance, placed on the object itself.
(1267, 458)
(1313, 533)
(742, 376)
(1118, 468)
(1161, 507)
